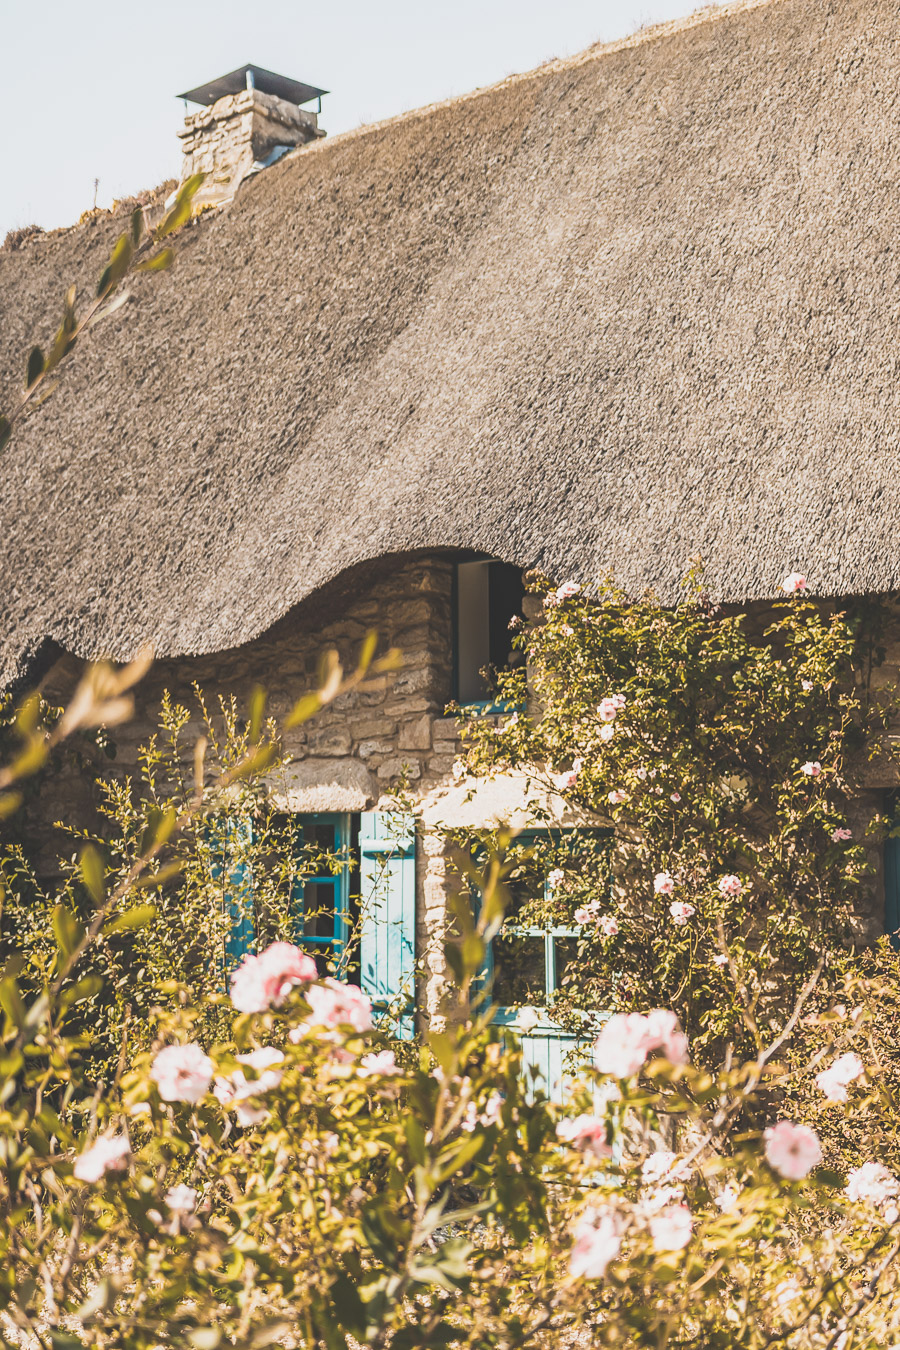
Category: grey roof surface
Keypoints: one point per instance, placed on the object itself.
(630, 308)
(266, 81)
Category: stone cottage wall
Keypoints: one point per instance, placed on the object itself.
(353, 754)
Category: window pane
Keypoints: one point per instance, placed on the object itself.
(525, 883)
(506, 595)
(473, 647)
(566, 953)
(322, 836)
(519, 971)
(318, 909)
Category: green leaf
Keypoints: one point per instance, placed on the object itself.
(305, 708)
(159, 827)
(159, 262)
(9, 803)
(257, 711)
(181, 207)
(137, 225)
(65, 1340)
(5, 432)
(370, 642)
(11, 1001)
(67, 930)
(35, 366)
(118, 265)
(138, 917)
(92, 874)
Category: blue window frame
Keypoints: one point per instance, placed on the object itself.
(320, 899)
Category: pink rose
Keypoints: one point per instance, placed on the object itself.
(181, 1199)
(608, 925)
(264, 981)
(626, 1040)
(489, 1116)
(110, 1153)
(730, 885)
(664, 1034)
(607, 709)
(234, 1089)
(619, 700)
(807, 686)
(640, 772)
(379, 1064)
(566, 780)
(793, 582)
(587, 1133)
(182, 1073)
(556, 878)
(586, 914)
(720, 960)
(681, 911)
(598, 1240)
(336, 1005)
(840, 835)
(661, 1165)
(617, 796)
(606, 732)
(792, 1150)
(664, 883)
(812, 768)
(623, 1045)
(871, 1184)
(671, 1228)
(835, 1081)
(675, 797)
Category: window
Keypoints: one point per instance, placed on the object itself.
(320, 889)
(529, 962)
(487, 594)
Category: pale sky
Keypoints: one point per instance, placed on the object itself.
(90, 84)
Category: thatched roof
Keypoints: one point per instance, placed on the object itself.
(626, 309)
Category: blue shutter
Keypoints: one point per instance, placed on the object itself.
(229, 836)
(387, 852)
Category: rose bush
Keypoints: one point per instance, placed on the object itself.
(264, 1170)
(717, 750)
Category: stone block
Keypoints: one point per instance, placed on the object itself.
(372, 726)
(366, 749)
(397, 706)
(415, 679)
(396, 768)
(334, 740)
(445, 747)
(325, 785)
(415, 735)
(441, 766)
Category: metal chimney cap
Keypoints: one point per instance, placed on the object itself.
(292, 91)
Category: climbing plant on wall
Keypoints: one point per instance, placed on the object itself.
(719, 749)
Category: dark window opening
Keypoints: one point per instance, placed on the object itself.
(487, 595)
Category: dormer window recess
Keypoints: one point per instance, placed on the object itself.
(486, 595)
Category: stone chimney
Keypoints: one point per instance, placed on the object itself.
(250, 119)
